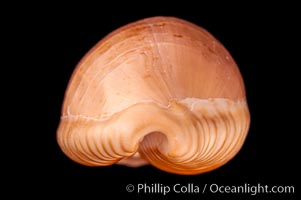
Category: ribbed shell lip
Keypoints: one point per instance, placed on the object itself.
(191, 136)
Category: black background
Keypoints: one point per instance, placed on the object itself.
(51, 39)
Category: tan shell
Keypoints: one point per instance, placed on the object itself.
(161, 91)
